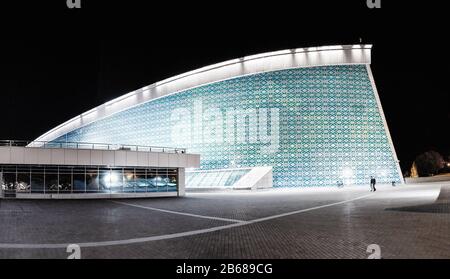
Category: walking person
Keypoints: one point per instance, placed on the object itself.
(373, 181)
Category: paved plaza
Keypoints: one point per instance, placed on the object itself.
(407, 221)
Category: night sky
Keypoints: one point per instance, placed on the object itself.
(57, 63)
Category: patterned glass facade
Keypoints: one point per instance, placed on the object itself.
(316, 126)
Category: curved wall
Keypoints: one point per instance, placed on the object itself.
(315, 125)
(265, 62)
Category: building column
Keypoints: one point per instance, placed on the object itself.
(181, 182)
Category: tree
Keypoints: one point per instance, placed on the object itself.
(429, 163)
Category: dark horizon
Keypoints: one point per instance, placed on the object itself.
(48, 79)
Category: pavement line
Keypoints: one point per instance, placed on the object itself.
(171, 236)
(180, 213)
(308, 209)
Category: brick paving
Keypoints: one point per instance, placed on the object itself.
(405, 221)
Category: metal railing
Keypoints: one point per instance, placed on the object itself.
(89, 146)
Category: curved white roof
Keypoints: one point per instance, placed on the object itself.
(265, 62)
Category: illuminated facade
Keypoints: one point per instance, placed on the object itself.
(85, 171)
(312, 114)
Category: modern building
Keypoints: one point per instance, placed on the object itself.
(295, 118)
(81, 170)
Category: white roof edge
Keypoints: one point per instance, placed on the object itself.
(253, 64)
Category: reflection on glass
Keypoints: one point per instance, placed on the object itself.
(79, 183)
(65, 183)
(151, 177)
(104, 180)
(9, 169)
(162, 180)
(23, 182)
(9, 181)
(128, 180)
(92, 181)
(51, 183)
(172, 181)
(141, 181)
(115, 180)
(37, 182)
(66, 180)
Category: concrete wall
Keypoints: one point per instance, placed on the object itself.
(85, 157)
(181, 182)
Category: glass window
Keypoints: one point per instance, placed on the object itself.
(8, 181)
(116, 180)
(37, 169)
(9, 169)
(23, 168)
(51, 169)
(172, 184)
(104, 180)
(65, 182)
(162, 180)
(65, 169)
(78, 179)
(141, 181)
(128, 180)
(51, 181)
(23, 182)
(151, 178)
(79, 170)
(92, 181)
(79, 183)
(37, 182)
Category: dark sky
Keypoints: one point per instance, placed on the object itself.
(56, 63)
